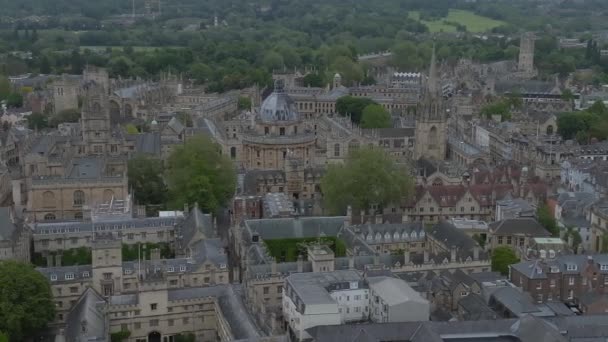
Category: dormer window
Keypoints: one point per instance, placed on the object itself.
(571, 267)
(222, 266)
(85, 274)
(604, 267)
(127, 271)
(182, 268)
(53, 277)
(171, 269)
(69, 276)
(554, 269)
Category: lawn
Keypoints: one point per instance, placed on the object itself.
(472, 21)
(289, 249)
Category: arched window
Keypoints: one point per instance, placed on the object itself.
(78, 197)
(336, 150)
(550, 130)
(233, 152)
(107, 195)
(48, 199)
(49, 217)
(433, 138)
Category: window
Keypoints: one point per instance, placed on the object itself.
(107, 276)
(539, 298)
(69, 276)
(130, 236)
(570, 294)
(182, 268)
(464, 293)
(539, 285)
(604, 267)
(266, 289)
(282, 131)
(185, 320)
(605, 280)
(336, 150)
(153, 306)
(48, 199)
(170, 322)
(154, 323)
(137, 325)
(571, 281)
(222, 266)
(358, 297)
(552, 283)
(357, 309)
(571, 267)
(124, 327)
(280, 289)
(74, 289)
(462, 209)
(49, 217)
(171, 269)
(79, 197)
(508, 240)
(500, 240)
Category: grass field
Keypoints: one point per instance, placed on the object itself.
(472, 21)
(289, 249)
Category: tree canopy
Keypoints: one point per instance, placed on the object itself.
(67, 115)
(375, 116)
(585, 125)
(353, 106)
(368, 177)
(26, 302)
(502, 257)
(146, 180)
(197, 172)
(547, 220)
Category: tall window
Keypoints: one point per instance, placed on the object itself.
(233, 152)
(433, 138)
(78, 197)
(48, 199)
(336, 150)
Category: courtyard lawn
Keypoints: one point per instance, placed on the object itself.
(286, 250)
(472, 21)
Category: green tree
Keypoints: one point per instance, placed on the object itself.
(185, 337)
(146, 180)
(37, 121)
(26, 301)
(547, 220)
(198, 173)
(567, 95)
(571, 232)
(368, 177)
(120, 336)
(375, 116)
(66, 115)
(502, 257)
(45, 65)
(244, 102)
(273, 61)
(5, 87)
(353, 106)
(314, 80)
(131, 129)
(598, 108)
(14, 100)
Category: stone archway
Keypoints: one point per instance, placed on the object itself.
(154, 337)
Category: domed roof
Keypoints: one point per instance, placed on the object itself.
(278, 106)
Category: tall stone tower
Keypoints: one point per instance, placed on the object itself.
(65, 94)
(526, 54)
(431, 122)
(107, 264)
(95, 119)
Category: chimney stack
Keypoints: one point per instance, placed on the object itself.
(351, 262)
(426, 256)
(349, 216)
(476, 253)
(453, 254)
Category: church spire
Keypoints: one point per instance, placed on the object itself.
(433, 82)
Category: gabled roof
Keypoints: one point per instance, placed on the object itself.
(519, 226)
(86, 321)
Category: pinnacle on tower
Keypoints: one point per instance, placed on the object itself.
(433, 82)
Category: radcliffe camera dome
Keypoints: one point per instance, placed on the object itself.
(279, 107)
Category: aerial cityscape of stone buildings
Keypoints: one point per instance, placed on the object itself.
(382, 275)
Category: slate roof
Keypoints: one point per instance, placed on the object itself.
(525, 87)
(300, 227)
(475, 308)
(576, 263)
(148, 143)
(89, 312)
(394, 290)
(525, 329)
(449, 235)
(519, 226)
